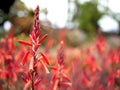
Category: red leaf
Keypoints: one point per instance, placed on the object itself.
(66, 84)
(44, 66)
(37, 33)
(45, 58)
(24, 78)
(54, 68)
(31, 65)
(32, 39)
(37, 46)
(53, 78)
(56, 85)
(23, 42)
(65, 77)
(43, 38)
(25, 58)
(37, 82)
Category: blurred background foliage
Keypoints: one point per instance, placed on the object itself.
(85, 18)
(87, 15)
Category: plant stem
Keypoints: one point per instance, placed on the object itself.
(7, 83)
(32, 81)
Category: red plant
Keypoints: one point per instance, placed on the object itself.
(32, 78)
(60, 79)
(9, 67)
(100, 43)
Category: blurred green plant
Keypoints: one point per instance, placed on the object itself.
(87, 15)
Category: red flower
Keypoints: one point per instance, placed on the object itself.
(34, 45)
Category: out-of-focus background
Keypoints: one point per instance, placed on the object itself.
(80, 18)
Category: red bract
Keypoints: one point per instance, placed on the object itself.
(45, 58)
(44, 66)
(25, 58)
(25, 43)
(60, 55)
(41, 40)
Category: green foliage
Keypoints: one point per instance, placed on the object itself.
(87, 15)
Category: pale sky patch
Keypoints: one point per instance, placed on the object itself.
(58, 11)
